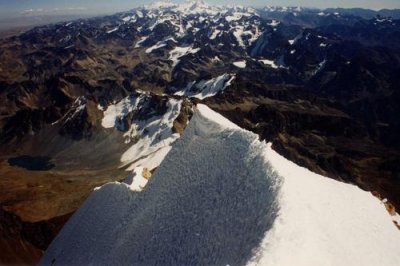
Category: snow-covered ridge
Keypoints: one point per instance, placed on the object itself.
(209, 203)
(223, 197)
(325, 222)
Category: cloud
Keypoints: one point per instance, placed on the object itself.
(28, 11)
(39, 11)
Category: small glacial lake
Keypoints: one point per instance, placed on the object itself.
(32, 163)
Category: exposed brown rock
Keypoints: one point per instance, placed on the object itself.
(390, 208)
(182, 120)
(376, 194)
(24, 242)
(146, 173)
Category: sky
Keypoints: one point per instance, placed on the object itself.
(15, 8)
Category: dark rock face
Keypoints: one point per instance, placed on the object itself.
(323, 87)
(24, 242)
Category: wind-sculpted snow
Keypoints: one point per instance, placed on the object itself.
(217, 199)
(209, 203)
(322, 221)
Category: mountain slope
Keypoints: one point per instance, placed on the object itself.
(326, 222)
(223, 197)
(214, 184)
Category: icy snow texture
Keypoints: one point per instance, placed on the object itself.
(325, 222)
(209, 203)
(214, 200)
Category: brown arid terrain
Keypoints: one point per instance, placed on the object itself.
(7, 33)
(39, 193)
(36, 204)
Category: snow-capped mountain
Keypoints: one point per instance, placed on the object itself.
(105, 99)
(222, 197)
(190, 27)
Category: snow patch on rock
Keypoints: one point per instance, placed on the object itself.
(138, 180)
(152, 136)
(268, 62)
(155, 139)
(155, 47)
(240, 64)
(207, 88)
(178, 52)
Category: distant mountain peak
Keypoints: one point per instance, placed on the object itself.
(196, 7)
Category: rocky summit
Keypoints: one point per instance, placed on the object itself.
(90, 101)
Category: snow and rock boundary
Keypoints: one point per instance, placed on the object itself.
(223, 197)
(210, 202)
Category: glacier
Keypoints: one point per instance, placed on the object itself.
(223, 197)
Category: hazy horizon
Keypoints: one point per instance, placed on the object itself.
(32, 8)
